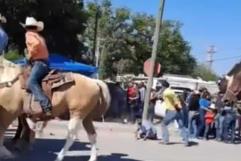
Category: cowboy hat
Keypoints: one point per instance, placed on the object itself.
(31, 21)
(196, 92)
(2, 19)
(212, 106)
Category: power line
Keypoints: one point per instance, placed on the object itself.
(227, 58)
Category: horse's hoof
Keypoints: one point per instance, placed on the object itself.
(92, 159)
(5, 154)
(59, 158)
(21, 146)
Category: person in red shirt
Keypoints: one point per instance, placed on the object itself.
(210, 121)
(132, 97)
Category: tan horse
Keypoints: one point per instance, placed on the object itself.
(230, 85)
(86, 99)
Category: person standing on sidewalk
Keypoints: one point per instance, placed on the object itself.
(173, 107)
(193, 107)
(204, 104)
(132, 96)
(142, 91)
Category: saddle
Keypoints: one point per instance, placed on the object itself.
(51, 82)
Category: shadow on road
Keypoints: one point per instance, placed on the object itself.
(116, 157)
(47, 149)
(191, 143)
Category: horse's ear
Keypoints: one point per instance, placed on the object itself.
(227, 77)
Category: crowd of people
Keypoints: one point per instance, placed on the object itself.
(210, 117)
(198, 114)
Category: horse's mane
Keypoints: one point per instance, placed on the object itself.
(236, 68)
(6, 63)
(9, 70)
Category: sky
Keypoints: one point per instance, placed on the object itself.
(205, 23)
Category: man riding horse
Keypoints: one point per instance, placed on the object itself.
(83, 98)
(38, 58)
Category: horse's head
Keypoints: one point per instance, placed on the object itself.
(222, 84)
(233, 84)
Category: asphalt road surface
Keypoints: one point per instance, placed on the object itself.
(116, 142)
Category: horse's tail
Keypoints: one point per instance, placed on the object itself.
(105, 94)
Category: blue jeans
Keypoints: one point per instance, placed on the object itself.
(151, 113)
(219, 126)
(133, 110)
(201, 126)
(170, 117)
(185, 116)
(229, 127)
(39, 71)
(192, 123)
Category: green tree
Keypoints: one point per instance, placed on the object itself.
(13, 55)
(202, 71)
(112, 27)
(126, 41)
(173, 50)
(64, 20)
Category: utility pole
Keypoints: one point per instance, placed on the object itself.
(96, 47)
(97, 52)
(210, 52)
(96, 38)
(153, 60)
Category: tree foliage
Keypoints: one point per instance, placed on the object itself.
(63, 19)
(125, 38)
(202, 71)
(126, 41)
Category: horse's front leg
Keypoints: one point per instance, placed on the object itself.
(4, 152)
(18, 131)
(25, 135)
(5, 120)
(71, 136)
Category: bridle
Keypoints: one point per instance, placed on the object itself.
(231, 92)
(10, 83)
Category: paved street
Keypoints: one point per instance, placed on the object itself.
(116, 143)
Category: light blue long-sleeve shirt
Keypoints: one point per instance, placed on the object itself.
(3, 40)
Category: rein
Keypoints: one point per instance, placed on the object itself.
(10, 83)
(229, 90)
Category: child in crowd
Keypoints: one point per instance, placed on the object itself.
(210, 122)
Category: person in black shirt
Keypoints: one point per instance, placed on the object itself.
(193, 107)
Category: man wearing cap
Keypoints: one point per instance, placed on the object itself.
(3, 35)
(173, 106)
(38, 57)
